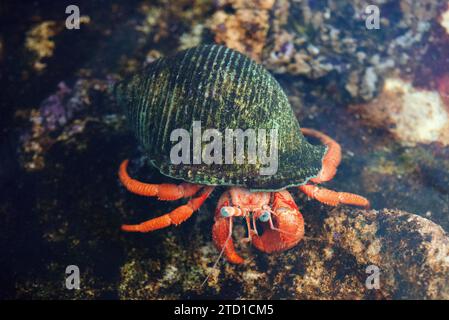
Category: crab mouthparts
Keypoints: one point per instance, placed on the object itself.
(251, 223)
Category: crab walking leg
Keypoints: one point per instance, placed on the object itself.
(175, 217)
(333, 198)
(332, 158)
(164, 191)
(286, 230)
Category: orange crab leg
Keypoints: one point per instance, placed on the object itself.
(175, 217)
(286, 230)
(164, 191)
(332, 158)
(222, 231)
(333, 198)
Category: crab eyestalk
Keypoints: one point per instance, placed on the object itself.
(265, 216)
(227, 212)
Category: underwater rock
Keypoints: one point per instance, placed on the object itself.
(192, 38)
(331, 38)
(39, 42)
(242, 25)
(412, 115)
(59, 117)
(410, 253)
(414, 12)
(170, 20)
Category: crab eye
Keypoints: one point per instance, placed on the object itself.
(224, 212)
(265, 216)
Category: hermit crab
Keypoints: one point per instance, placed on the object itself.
(223, 89)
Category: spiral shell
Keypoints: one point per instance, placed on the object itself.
(223, 89)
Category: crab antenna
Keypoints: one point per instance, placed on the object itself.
(255, 225)
(221, 252)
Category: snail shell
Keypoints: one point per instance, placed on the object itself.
(223, 89)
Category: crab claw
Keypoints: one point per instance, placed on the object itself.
(283, 229)
(222, 236)
(222, 229)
